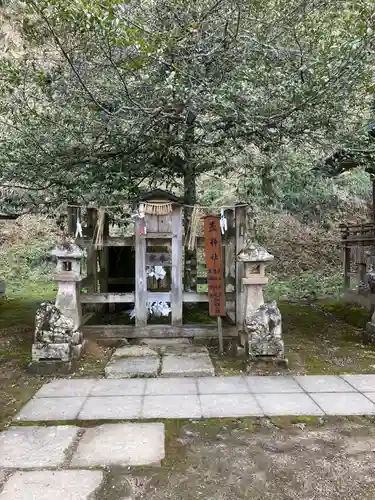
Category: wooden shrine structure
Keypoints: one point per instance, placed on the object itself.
(358, 250)
(116, 269)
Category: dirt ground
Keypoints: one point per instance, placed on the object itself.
(257, 460)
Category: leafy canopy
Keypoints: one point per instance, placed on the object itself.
(100, 97)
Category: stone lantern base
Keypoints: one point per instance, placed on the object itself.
(57, 345)
(263, 335)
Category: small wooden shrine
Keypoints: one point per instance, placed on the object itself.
(118, 268)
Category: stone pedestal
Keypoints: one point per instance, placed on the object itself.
(262, 336)
(58, 343)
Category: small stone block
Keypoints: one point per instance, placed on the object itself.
(66, 388)
(161, 344)
(111, 408)
(222, 385)
(344, 403)
(191, 351)
(323, 383)
(133, 351)
(362, 383)
(44, 409)
(61, 352)
(146, 366)
(186, 366)
(26, 447)
(56, 485)
(52, 367)
(229, 405)
(172, 386)
(171, 407)
(118, 387)
(121, 445)
(274, 385)
(288, 404)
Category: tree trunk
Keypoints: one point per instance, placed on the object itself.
(190, 260)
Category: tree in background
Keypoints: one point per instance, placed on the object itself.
(102, 98)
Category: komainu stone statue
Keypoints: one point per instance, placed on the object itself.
(263, 329)
(57, 344)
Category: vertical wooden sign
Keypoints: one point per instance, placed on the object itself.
(214, 263)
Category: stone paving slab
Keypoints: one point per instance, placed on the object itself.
(66, 388)
(229, 405)
(222, 385)
(119, 387)
(146, 366)
(362, 383)
(190, 351)
(287, 404)
(28, 447)
(324, 383)
(121, 445)
(370, 396)
(186, 366)
(177, 397)
(171, 407)
(344, 403)
(44, 409)
(171, 386)
(111, 408)
(161, 344)
(52, 485)
(134, 351)
(272, 384)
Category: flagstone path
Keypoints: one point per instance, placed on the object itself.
(202, 397)
(72, 461)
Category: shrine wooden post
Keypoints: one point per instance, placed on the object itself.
(166, 229)
(240, 221)
(214, 262)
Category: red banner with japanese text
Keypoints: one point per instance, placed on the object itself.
(214, 263)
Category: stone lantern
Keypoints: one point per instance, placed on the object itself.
(262, 321)
(68, 276)
(58, 343)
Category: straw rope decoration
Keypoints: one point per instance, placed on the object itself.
(99, 229)
(158, 208)
(192, 230)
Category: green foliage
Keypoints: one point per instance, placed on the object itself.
(104, 97)
(24, 256)
(309, 285)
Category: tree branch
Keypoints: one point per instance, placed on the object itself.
(68, 59)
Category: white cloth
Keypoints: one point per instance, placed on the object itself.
(157, 272)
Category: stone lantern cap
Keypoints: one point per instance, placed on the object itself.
(254, 253)
(67, 251)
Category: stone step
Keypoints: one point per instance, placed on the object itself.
(171, 359)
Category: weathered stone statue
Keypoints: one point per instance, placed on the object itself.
(56, 342)
(262, 329)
